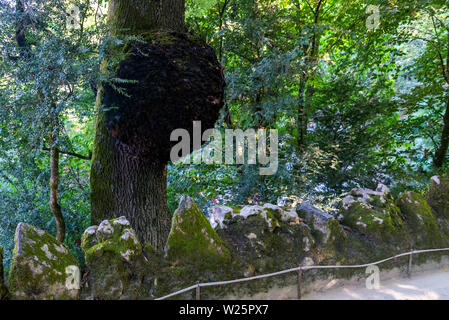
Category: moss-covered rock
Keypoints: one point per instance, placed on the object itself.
(194, 252)
(438, 197)
(192, 239)
(117, 266)
(367, 196)
(41, 267)
(382, 224)
(422, 225)
(273, 214)
(371, 229)
(374, 214)
(3, 290)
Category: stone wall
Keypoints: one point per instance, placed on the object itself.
(238, 242)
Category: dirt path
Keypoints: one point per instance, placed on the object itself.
(425, 286)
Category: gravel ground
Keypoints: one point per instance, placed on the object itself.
(425, 286)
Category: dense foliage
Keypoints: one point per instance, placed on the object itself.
(354, 103)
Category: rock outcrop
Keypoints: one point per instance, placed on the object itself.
(116, 265)
(316, 219)
(366, 196)
(194, 251)
(374, 214)
(42, 268)
(192, 239)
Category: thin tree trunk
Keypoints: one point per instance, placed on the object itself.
(54, 151)
(306, 90)
(221, 14)
(54, 184)
(123, 185)
(441, 152)
(301, 122)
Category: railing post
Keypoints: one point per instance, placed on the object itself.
(198, 293)
(299, 282)
(410, 262)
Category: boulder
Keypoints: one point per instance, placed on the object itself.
(316, 219)
(422, 225)
(42, 268)
(438, 197)
(194, 252)
(273, 214)
(373, 213)
(3, 290)
(286, 214)
(259, 248)
(367, 196)
(248, 211)
(192, 239)
(117, 266)
(219, 214)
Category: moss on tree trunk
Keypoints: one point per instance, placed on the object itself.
(137, 16)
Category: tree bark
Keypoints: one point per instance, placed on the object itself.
(135, 16)
(20, 24)
(123, 185)
(440, 154)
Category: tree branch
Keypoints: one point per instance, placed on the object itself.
(72, 154)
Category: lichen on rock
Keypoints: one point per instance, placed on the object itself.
(273, 214)
(422, 225)
(193, 240)
(39, 269)
(374, 213)
(316, 219)
(366, 196)
(219, 214)
(117, 267)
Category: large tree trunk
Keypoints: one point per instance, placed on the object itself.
(441, 152)
(128, 186)
(123, 185)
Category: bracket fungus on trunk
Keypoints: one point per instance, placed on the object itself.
(175, 80)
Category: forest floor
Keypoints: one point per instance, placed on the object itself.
(432, 285)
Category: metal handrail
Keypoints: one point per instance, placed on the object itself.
(299, 270)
